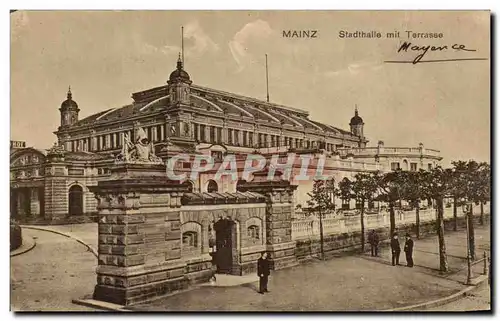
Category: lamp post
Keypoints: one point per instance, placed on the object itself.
(465, 209)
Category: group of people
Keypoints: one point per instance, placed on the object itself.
(396, 250)
(374, 241)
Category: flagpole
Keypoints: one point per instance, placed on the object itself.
(267, 81)
(182, 44)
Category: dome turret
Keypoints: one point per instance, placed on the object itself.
(356, 120)
(357, 124)
(69, 102)
(179, 74)
(69, 110)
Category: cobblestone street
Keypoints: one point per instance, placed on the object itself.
(350, 283)
(48, 277)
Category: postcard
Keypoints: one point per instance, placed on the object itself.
(250, 161)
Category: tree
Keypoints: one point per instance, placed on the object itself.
(320, 202)
(413, 193)
(481, 187)
(345, 190)
(389, 189)
(458, 184)
(436, 185)
(363, 189)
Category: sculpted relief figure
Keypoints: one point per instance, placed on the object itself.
(140, 151)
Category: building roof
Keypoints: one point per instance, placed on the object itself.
(216, 101)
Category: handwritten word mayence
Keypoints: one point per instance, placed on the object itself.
(424, 49)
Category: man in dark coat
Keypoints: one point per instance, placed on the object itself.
(395, 249)
(373, 240)
(409, 250)
(263, 272)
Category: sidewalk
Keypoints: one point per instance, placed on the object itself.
(350, 283)
(86, 233)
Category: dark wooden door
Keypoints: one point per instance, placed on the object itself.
(223, 240)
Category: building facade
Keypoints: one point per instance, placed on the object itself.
(182, 117)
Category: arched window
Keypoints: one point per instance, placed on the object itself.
(253, 232)
(239, 185)
(190, 186)
(212, 187)
(405, 165)
(189, 240)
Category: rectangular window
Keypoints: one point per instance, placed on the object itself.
(245, 139)
(212, 134)
(250, 139)
(219, 134)
(196, 131)
(229, 136)
(216, 155)
(429, 166)
(202, 133)
(395, 166)
(413, 167)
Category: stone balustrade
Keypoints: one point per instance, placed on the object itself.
(303, 228)
(372, 151)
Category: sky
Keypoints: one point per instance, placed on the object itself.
(107, 55)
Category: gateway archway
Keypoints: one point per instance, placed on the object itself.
(225, 241)
(75, 198)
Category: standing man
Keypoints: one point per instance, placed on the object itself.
(409, 250)
(373, 240)
(395, 249)
(263, 272)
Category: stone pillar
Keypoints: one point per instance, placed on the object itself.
(93, 142)
(278, 223)
(21, 199)
(216, 134)
(139, 235)
(34, 202)
(198, 132)
(282, 141)
(240, 137)
(207, 134)
(56, 191)
(154, 134)
(162, 133)
(233, 136)
(225, 135)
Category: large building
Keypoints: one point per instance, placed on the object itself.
(181, 117)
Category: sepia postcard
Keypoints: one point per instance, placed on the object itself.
(251, 161)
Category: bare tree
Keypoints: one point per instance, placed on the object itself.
(320, 202)
(363, 189)
(436, 185)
